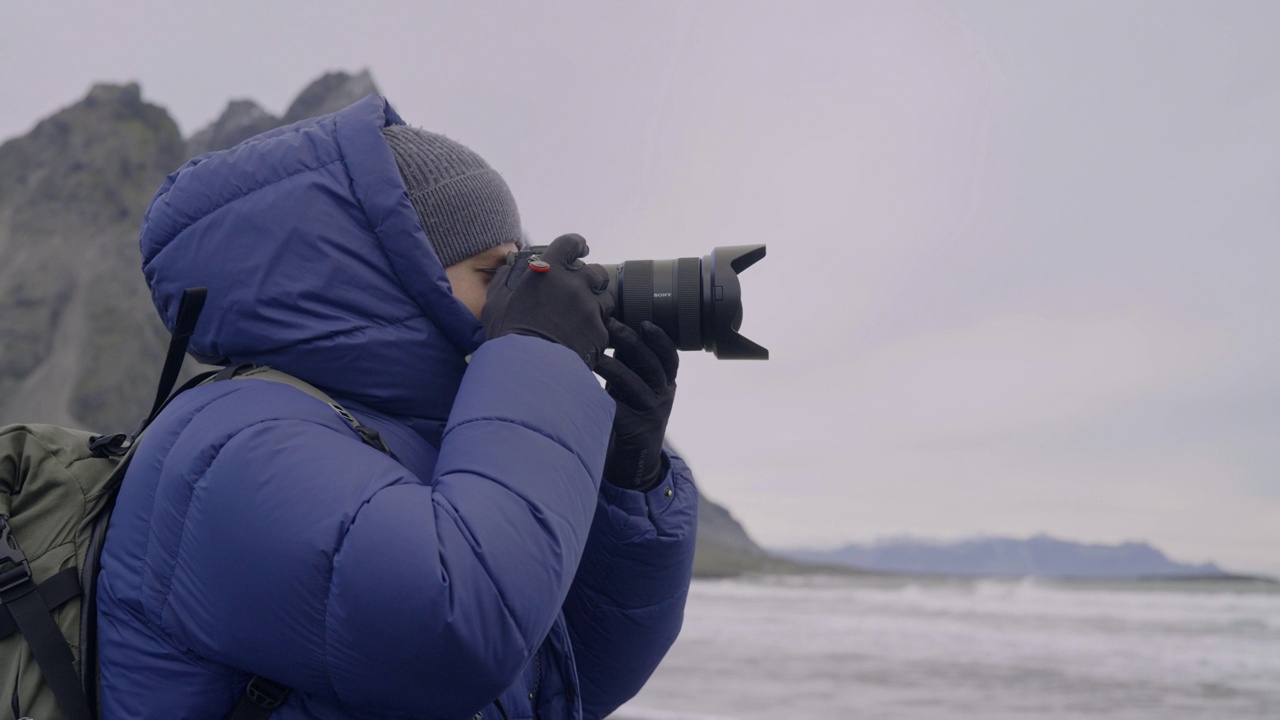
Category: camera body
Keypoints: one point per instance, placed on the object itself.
(696, 301)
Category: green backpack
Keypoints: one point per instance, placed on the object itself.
(57, 489)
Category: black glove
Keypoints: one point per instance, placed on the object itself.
(566, 304)
(641, 378)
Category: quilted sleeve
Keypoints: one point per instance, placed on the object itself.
(627, 602)
(316, 561)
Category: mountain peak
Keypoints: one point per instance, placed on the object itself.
(331, 91)
(242, 119)
(109, 94)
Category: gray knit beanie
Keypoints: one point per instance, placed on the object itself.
(464, 205)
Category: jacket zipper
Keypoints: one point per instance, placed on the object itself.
(537, 683)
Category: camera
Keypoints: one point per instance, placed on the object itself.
(696, 301)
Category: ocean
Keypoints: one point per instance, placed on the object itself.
(851, 647)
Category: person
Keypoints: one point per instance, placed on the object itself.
(525, 548)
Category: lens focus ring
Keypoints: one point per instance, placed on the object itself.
(637, 292)
(689, 304)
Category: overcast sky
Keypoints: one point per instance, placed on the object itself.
(1022, 256)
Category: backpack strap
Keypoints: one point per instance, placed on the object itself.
(123, 446)
(184, 326)
(22, 598)
(370, 436)
(262, 696)
(54, 593)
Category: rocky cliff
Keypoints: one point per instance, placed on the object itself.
(80, 335)
(725, 549)
(80, 343)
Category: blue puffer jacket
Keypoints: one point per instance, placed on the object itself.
(256, 534)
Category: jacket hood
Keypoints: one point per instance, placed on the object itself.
(316, 264)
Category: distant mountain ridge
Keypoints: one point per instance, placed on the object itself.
(1038, 556)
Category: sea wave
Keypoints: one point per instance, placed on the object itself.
(879, 647)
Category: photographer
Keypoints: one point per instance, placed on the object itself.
(523, 550)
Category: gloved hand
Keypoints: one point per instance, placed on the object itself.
(567, 304)
(641, 378)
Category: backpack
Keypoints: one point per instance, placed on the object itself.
(57, 489)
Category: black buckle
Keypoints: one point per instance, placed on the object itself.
(266, 694)
(11, 554)
(232, 371)
(373, 439)
(104, 446)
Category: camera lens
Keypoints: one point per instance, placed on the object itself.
(667, 293)
(696, 301)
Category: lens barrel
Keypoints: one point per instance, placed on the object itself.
(665, 292)
(696, 301)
